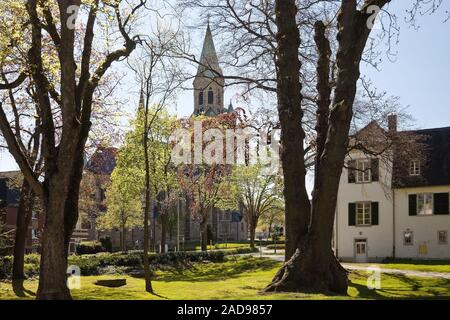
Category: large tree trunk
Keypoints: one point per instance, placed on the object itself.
(297, 206)
(53, 267)
(24, 213)
(314, 268)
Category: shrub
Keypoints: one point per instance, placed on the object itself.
(106, 243)
(95, 264)
(278, 246)
(90, 247)
(6, 263)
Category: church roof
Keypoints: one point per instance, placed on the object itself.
(209, 60)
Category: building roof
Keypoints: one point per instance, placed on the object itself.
(436, 170)
(103, 161)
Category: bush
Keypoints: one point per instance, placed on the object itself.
(90, 247)
(95, 264)
(6, 263)
(106, 243)
(278, 246)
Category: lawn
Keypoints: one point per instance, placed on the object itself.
(415, 265)
(236, 279)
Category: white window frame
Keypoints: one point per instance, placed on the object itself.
(422, 200)
(412, 238)
(414, 168)
(439, 237)
(363, 214)
(363, 171)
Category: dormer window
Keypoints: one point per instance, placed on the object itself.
(210, 96)
(363, 173)
(200, 98)
(414, 168)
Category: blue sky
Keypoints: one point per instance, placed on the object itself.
(419, 75)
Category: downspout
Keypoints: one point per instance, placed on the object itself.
(393, 223)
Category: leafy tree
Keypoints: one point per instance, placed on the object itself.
(123, 201)
(255, 192)
(65, 78)
(271, 220)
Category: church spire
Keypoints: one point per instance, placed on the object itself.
(141, 100)
(209, 82)
(209, 62)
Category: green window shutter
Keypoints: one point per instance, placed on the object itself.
(441, 203)
(352, 214)
(375, 169)
(351, 171)
(413, 204)
(374, 212)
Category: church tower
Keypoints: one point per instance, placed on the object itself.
(209, 82)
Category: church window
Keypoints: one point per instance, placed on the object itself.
(210, 96)
(200, 98)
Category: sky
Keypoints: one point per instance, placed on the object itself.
(419, 74)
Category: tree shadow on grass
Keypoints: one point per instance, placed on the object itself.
(19, 289)
(218, 271)
(406, 288)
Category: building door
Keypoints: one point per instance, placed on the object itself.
(360, 250)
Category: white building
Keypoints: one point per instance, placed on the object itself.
(384, 211)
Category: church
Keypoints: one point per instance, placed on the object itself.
(208, 92)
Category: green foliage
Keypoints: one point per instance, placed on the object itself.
(106, 243)
(90, 247)
(259, 194)
(95, 264)
(6, 240)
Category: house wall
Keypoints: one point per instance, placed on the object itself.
(379, 237)
(425, 228)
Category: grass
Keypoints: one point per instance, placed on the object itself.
(237, 279)
(415, 265)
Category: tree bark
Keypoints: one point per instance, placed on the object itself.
(314, 267)
(53, 266)
(147, 271)
(123, 239)
(204, 234)
(24, 213)
(252, 235)
(297, 206)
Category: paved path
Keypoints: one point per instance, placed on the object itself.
(348, 266)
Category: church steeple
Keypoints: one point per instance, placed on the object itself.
(209, 82)
(141, 100)
(209, 62)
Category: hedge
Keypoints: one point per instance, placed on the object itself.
(90, 247)
(95, 264)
